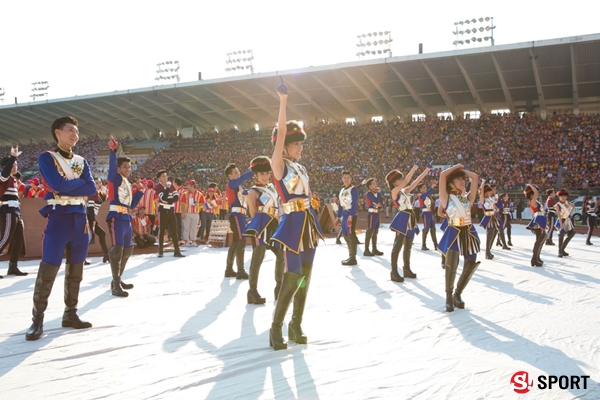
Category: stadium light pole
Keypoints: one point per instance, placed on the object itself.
(370, 39)
(39, 89)
(475, 32)
(170, 69)
(240, 60)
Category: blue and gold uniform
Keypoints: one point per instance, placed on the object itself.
(405, 226)
(237, 224)
(68, 181)
(426, 203)
(374, 204)
(261, 228)
(122, 200)
(564, 222)
(349, 208)
(299, 230)
(537, 225)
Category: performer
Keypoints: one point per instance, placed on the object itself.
(426, 205)
(506, 222)
(460, 236)
(374, 204)
(122, 198)
(68, 181)
(141, 226)
(589, 209)
(348, 211)
(263, 208)
(551, 216)
(538, 223)
(237, 221)
(490, 222)
(404, 223)
(167, 195)
(93, 206)
(563, 222)
(298, 231)
(11, 221)
(191, 200)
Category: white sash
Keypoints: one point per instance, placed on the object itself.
(270, 190)
(70, 169)
(459, 207)
(125, 194)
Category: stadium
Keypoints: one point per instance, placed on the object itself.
(515, 113)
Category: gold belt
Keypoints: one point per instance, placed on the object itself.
(69, 201)
(373, 210)
(459, 221)
(272, 211)
(296, 205)
(489, 213)
(403, 207)
(119, 209)
(539, 213)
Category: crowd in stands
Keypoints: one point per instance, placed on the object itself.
(504, 149)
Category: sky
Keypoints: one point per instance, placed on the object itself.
(83, 47)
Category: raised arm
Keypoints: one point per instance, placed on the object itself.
(536, 194)
(443, 193)
(474, 182)
(418, 180)
(277, 163)
(398, 188)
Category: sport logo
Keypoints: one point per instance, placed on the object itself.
(520, 382)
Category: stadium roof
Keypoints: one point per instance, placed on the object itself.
(547, 75)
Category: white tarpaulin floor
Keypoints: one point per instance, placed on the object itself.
(187, 332)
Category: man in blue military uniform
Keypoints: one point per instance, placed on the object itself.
(68, 181)
(122, 199)
(348, 210)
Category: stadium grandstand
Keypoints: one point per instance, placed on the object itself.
(530, 112)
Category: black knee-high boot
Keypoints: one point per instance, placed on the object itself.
(450, 270)
(398, 242)
(374, 242)
(73, 278)
(466, 275)
(239, 259)
(229, 272)
(434, 238)
(368, 237)
(114, 255)
(294, 327)
(258, 255)
(43, 287)
(489, 240)
(352, 248)
(406, 258)
(537, 248)
(570, 235)
(279, 270)
(127, 252)
(424, 233)
(561, 240)
(502, 239)
(289, 286)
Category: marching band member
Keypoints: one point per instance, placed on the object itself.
(68, 181)
(167, 196)
(298, 231)
(263, 208)
(426, 204)
(589, 209)
(551, 216)
(460, 236)
(348, 211)
(538, 223)
(237, 221)
(404, 223)
(374, 204)
(563, 222)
